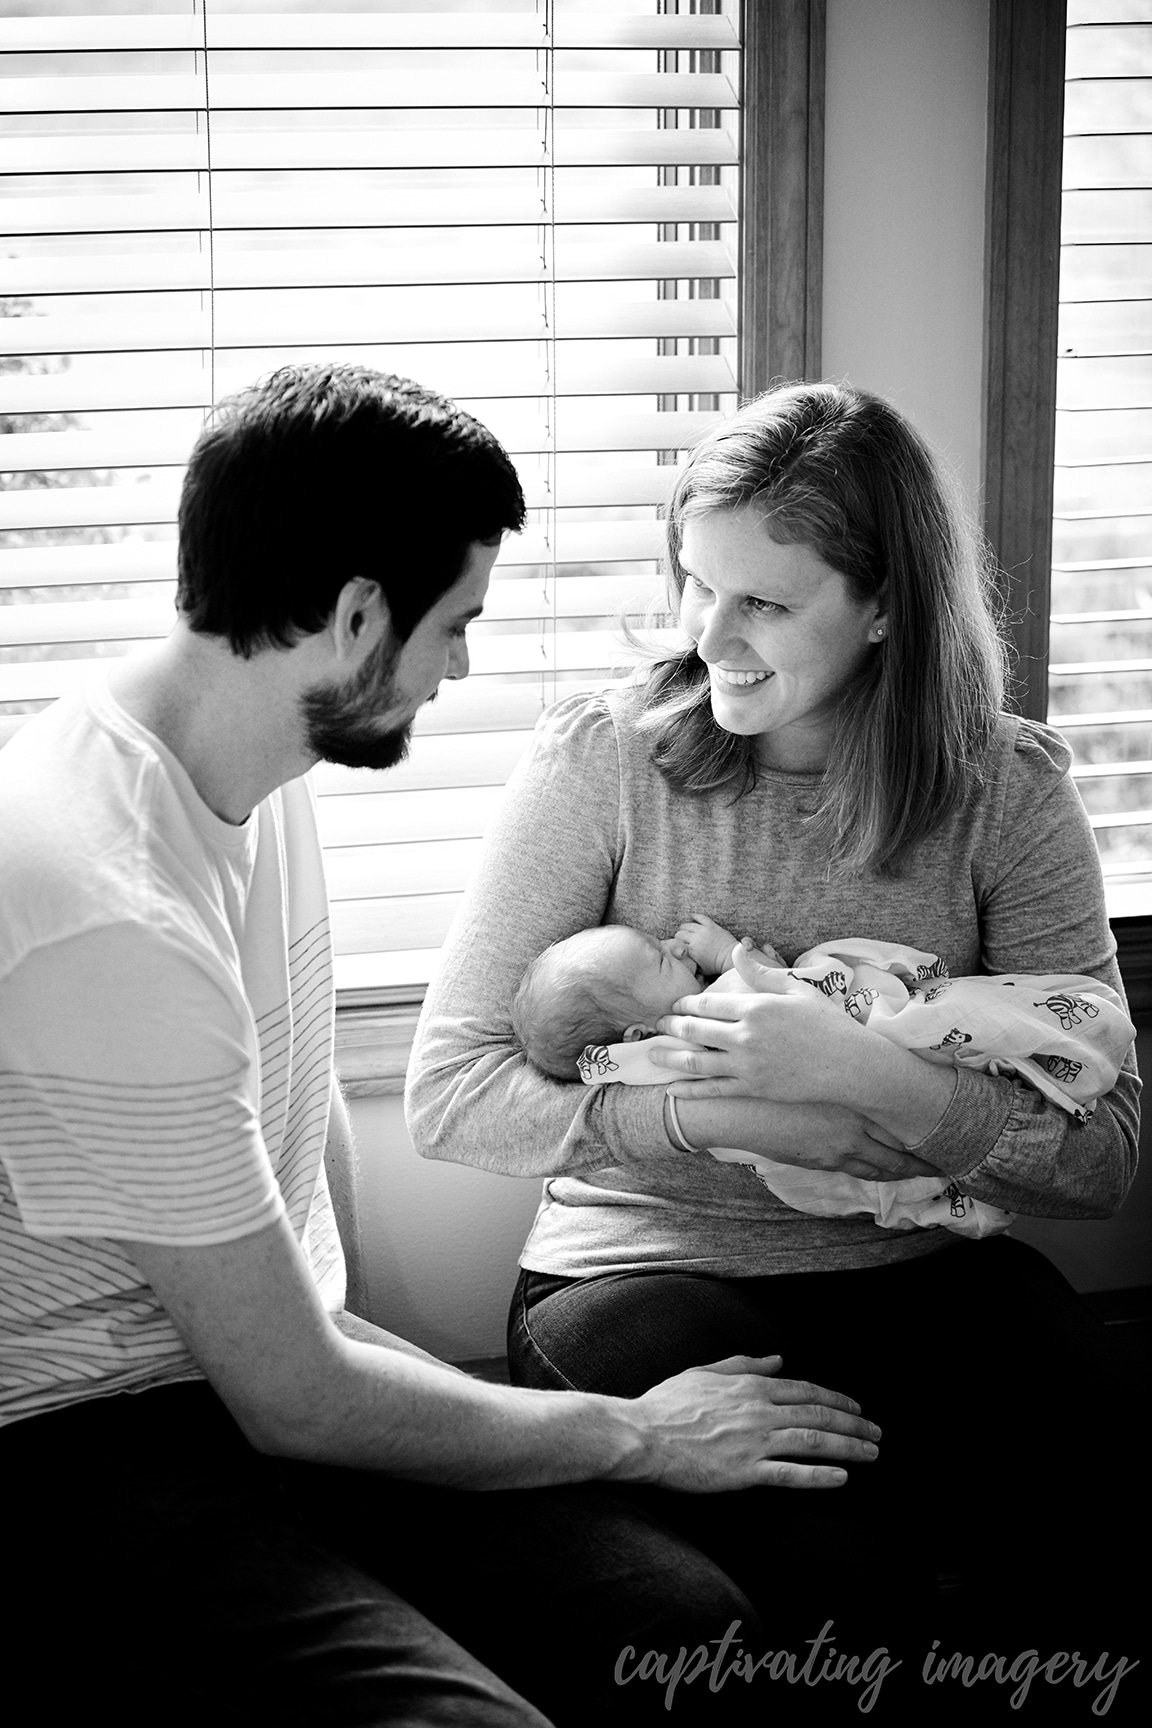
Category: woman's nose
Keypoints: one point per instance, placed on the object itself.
(458, 662)
(719, 634)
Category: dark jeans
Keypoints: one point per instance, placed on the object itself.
(993, 1497)
(158, 1571)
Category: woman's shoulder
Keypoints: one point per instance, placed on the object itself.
(604, 719)
(1021, 783)
(1028, 750)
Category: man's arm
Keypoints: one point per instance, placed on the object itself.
(340, 1169)
(250, 1315)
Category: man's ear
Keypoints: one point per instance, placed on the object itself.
(360, 619)
(632, 1034)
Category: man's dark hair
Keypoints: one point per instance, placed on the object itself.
(323, 473)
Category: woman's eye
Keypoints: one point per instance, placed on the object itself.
(755, 604)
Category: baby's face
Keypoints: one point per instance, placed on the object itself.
(651, 974)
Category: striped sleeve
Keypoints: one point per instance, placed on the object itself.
(130, 1094)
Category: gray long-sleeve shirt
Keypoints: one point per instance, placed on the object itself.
(590, 832)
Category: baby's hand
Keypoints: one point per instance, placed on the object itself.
(709, 945)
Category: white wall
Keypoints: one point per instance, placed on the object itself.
(441, 1242)
(906, 101)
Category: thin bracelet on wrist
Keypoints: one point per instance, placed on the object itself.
(672, 1124)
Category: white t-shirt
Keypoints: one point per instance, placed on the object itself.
(166, 1022)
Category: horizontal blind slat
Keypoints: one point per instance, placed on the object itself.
(372, 977)
(361, 819)
(335, 266)
(374, 926)
(434, 867)
(347, 90)
(237, 325)
(312, 146)
(515, 374)
(157, 449)
(368, 206)
(480, 759)
(286, 30)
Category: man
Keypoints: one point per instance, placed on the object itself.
(189, 1416)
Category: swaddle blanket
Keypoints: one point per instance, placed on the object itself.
(1066, 1034)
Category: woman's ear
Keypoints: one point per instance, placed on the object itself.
(878, 629)
(632, 1034)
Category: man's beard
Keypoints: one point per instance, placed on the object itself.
(342, 725)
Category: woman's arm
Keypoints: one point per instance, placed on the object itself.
(546, 872)
(1042, 909)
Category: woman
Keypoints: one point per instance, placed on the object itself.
(827, 757)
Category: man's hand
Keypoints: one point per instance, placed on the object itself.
(735, 1424)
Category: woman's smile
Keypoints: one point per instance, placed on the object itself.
(736, 679)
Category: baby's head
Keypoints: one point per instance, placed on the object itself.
(597, 987)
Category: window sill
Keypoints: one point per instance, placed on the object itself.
(373, 1045)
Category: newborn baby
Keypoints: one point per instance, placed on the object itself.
(585, 1004)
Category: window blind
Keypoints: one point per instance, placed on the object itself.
(1100, 670)
(531, 207)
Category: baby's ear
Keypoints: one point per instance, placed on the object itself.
(632, 1034)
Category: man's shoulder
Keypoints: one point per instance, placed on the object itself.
(71, 808)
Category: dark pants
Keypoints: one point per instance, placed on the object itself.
(1006, 1492)
(158, 1571)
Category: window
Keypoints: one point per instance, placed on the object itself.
(1100, 671)
(1067, 449)
(530, 206)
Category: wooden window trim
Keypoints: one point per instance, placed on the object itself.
(782, 192)
(1022, 292)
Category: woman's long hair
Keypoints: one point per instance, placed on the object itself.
(840, 471)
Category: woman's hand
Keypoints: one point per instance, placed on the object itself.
(786, 1042)
(782, 1040)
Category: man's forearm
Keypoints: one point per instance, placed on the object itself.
(424, 1421)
